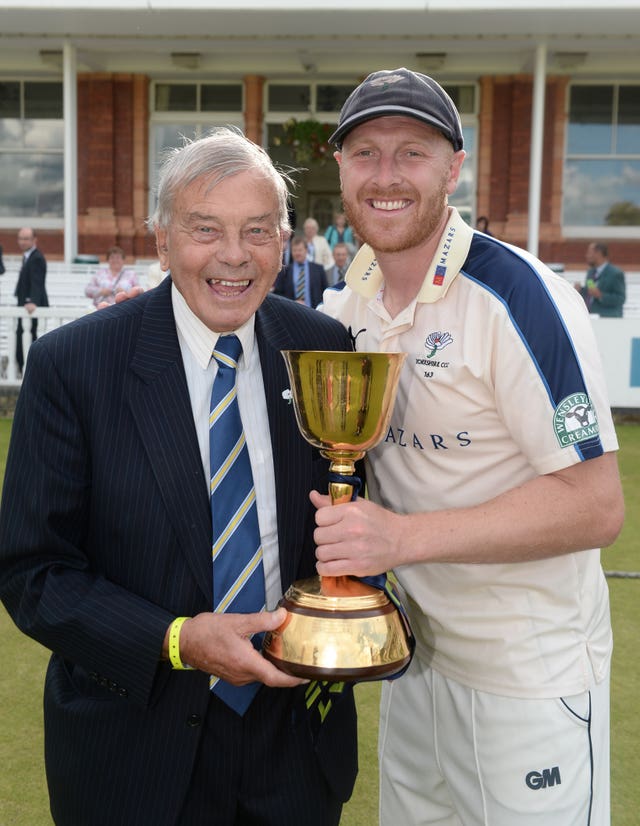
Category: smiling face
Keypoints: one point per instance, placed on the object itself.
(396, 174)
(223, 247)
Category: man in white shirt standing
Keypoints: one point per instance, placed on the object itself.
(491, 495)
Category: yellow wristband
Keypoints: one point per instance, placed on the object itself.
(174, 644)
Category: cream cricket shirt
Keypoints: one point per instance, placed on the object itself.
(502, 382)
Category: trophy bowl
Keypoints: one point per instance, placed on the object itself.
(341, 628)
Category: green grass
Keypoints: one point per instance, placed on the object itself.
(23, 797)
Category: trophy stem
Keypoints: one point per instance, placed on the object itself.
(341, 490)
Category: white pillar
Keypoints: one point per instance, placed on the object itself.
(537, 136)
(70, 113)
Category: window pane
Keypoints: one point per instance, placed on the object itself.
(601, 192)
(173, 97)
(42, 100)
(289, 98)
(171, 135)
(10, 100)
(278, 150)
(331, 98)
(463, 97)
(43, 134)
(469, 138)
(462, 198)
(590, 120)
(11, 133)
(221, 98)
(31, 185)
(628, 133)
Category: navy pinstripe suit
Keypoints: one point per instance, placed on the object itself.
(105, 537)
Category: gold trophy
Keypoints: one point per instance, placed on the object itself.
(340, 628)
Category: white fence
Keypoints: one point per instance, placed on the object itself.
(618, 339)
(65, 288)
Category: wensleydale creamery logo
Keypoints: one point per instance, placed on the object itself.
(575, 420)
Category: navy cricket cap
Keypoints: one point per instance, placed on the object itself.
(400, 92)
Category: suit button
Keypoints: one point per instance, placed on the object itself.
(123, 692)
(194, 720)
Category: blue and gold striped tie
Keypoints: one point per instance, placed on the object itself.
(300, 283)
(238, 576)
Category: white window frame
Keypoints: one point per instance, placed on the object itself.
(600, 231)
(42, 223)
(202, 120)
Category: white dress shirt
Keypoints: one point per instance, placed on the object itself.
(197, 342)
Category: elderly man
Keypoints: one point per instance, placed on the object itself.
(155, 504)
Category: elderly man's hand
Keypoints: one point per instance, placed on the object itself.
(123, 295)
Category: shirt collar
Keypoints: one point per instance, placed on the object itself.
(200, 340)
(365, 277)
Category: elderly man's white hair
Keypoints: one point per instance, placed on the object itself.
(218, 155)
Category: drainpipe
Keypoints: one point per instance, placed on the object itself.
(537, 136)
(70, 114)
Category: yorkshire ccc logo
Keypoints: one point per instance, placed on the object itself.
(437, 341)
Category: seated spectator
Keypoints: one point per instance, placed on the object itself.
(318, 249)
(342, 257)
(340, 233)
(482, 225)
(110, 279)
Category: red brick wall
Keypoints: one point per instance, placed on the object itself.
(109, 167)
(503, 171)
(113, 124)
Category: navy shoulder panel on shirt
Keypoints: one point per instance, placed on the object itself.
(515, 282)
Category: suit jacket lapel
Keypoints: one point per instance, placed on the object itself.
(290, 452)
(162, 409)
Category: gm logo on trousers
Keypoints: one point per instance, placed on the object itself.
(548, 777)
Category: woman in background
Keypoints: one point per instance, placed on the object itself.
(340, 233)
(111, 278)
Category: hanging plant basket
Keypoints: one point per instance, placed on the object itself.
(308, 140)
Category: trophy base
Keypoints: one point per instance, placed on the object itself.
(337, 675)
(338, 629)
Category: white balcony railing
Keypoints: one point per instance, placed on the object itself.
(65, 287)
(48, 319)
(618, 339)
